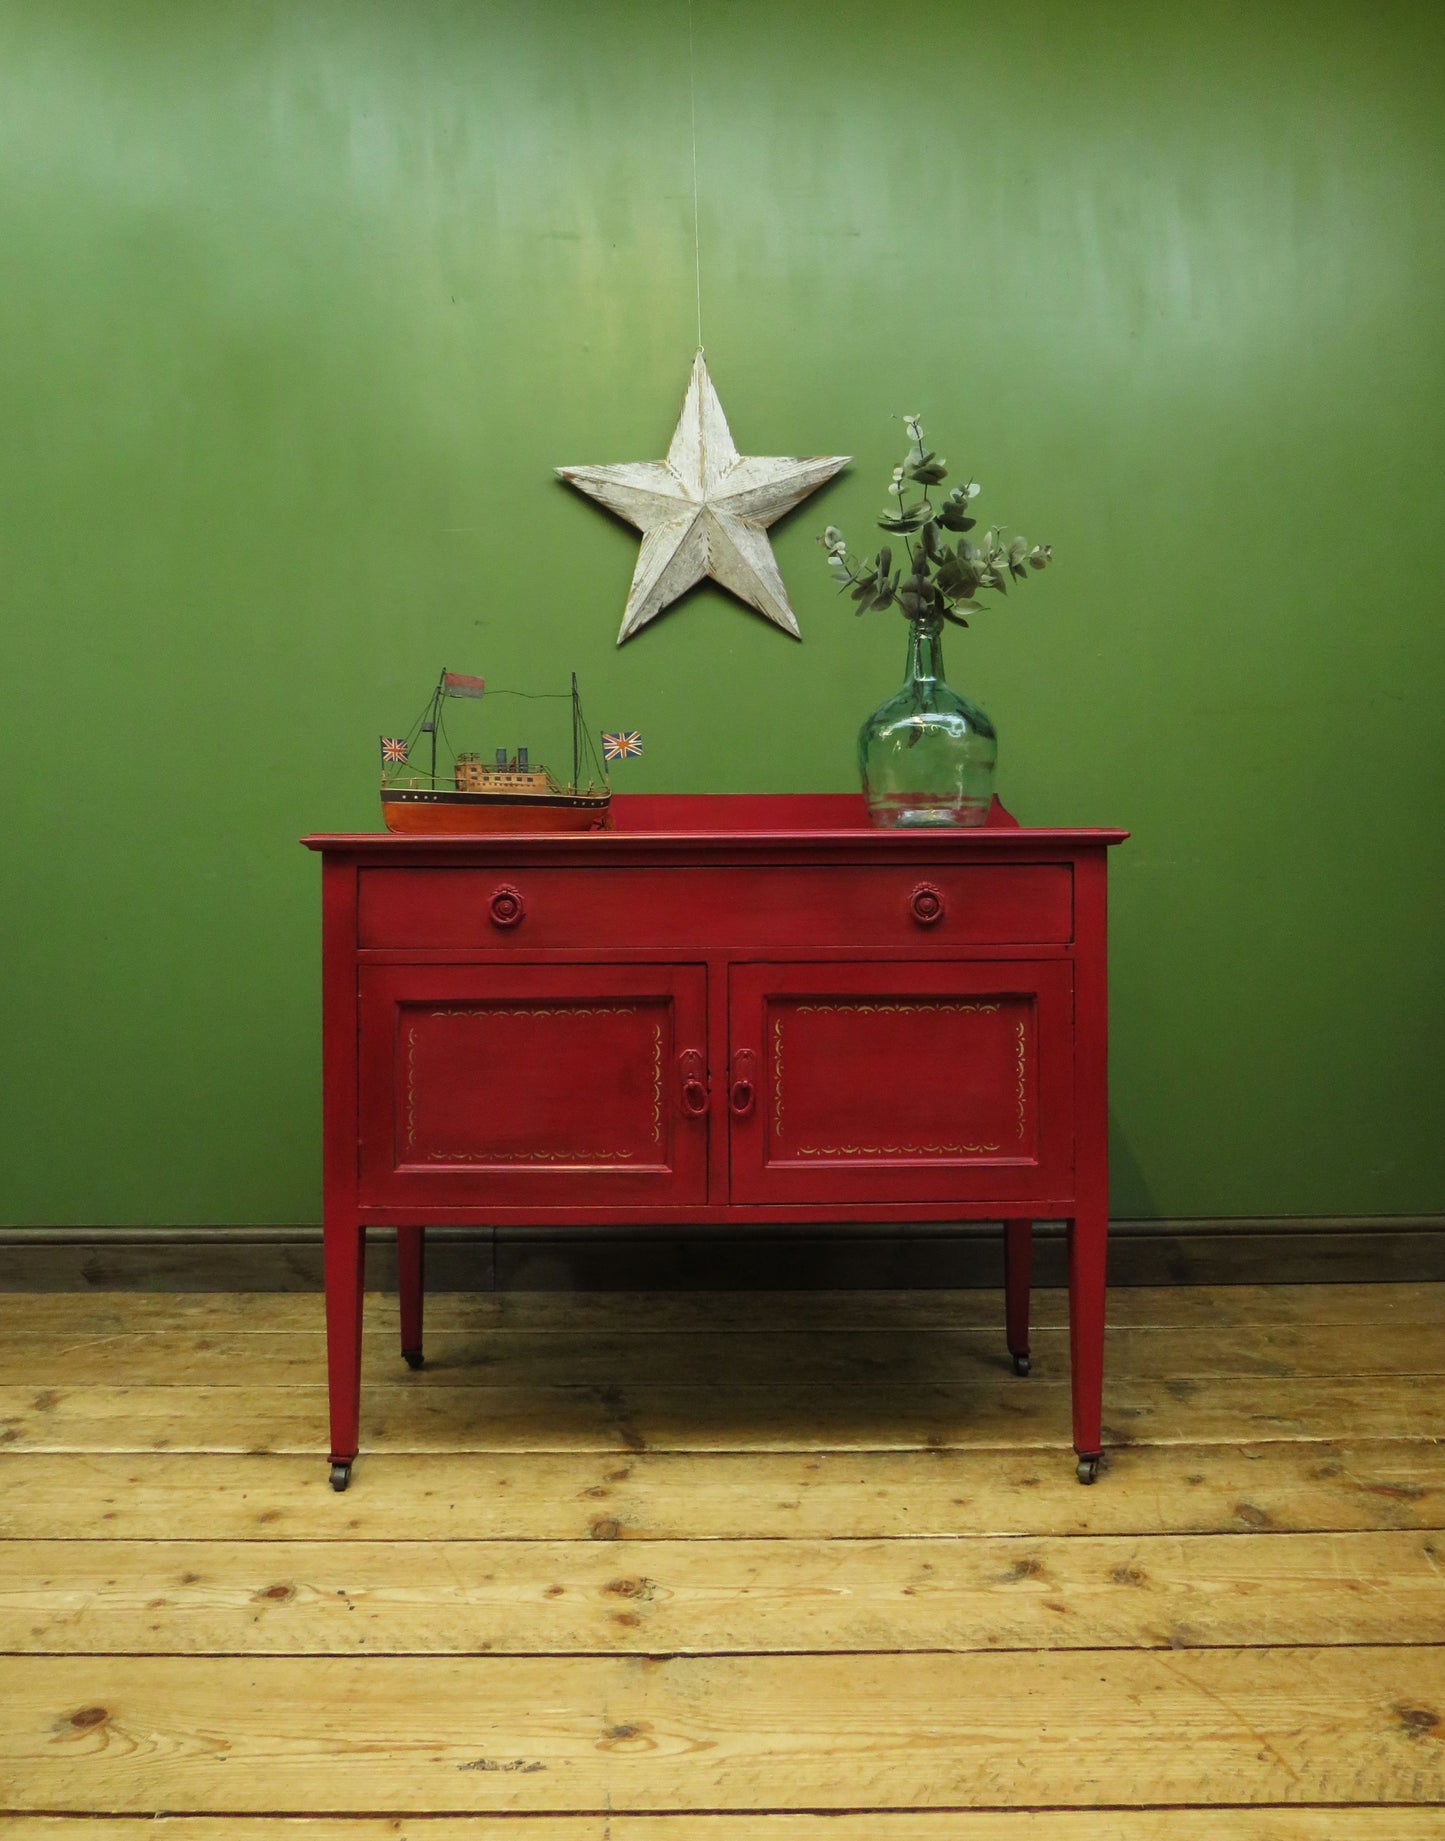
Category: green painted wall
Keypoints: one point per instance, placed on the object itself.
(301, 302)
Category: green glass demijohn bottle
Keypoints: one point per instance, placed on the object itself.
(927, 755)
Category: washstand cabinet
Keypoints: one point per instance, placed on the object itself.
(726, 1009)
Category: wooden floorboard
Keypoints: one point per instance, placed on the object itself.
(700, 1597)
(1355, 1823)
(977, 1411)
(79, 1316)
(565, 1734)
(1359, 1485)
(797, 1567)
(616, 1357)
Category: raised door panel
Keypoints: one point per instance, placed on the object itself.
(869, 1083)
(533, 1086)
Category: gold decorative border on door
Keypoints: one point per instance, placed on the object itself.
(967, 1006)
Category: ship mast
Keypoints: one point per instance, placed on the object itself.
(576, 763)
(434, 719)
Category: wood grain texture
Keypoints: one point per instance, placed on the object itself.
(646, 1496)
(1359, 1823)
(602, 1643)
(79, 1316)
(871, 1415)
(220, 1734)
(1224, 1824)
(691, 1597)
(612, 1357)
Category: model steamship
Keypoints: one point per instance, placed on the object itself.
(472, 795)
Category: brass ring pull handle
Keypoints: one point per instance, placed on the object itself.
(694, 1083)
(742, 1092)
(506, 906)
(925, 904)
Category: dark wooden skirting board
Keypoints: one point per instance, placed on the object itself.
(1292, 1250)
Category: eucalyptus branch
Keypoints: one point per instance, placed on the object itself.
(944, 578)
(903, 514)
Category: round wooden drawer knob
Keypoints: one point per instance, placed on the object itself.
(507, 906)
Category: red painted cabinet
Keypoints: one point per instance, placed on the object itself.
(727, 1009)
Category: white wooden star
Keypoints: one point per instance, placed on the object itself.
(704, 511)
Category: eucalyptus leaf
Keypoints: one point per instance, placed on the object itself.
(954, 579)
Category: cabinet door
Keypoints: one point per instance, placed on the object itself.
(533, 1086)
(901, 1083)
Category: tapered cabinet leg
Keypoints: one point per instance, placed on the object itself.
(411, 1284)
(1018, 1246)
(345, 1257)
(1088, 1246)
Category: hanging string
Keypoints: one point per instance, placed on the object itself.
(692, 103)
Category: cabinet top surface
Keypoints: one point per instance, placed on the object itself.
(709, 820)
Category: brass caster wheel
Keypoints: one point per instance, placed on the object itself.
(340, 1476)
(1087, 1470)
(1021, 1363)
(413, 1358)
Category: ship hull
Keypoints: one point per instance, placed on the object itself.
(415, 812)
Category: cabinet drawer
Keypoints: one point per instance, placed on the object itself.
(750, 908)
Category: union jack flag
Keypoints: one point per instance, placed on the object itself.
(392, 749)
(618, 744)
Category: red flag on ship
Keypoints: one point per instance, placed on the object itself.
(459, 686)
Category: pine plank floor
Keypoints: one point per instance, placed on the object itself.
(795, 1567)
